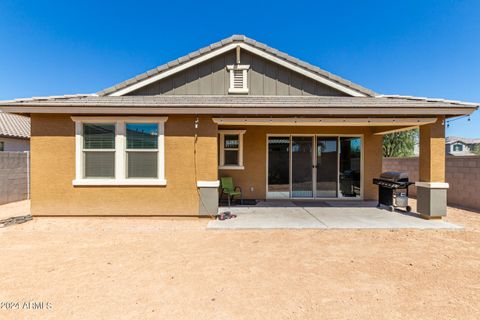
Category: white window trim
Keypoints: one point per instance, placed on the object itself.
(120, 152)
(244, 69)
(222, 165)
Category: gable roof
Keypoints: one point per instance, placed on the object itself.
(228, 44)
(14, 126)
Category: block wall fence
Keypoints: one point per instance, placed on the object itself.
(462, 174)
(13, 176)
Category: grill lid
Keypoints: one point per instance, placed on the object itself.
(394, 176)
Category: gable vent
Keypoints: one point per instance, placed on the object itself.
(238, 78)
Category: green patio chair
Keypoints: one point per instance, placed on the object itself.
(228, 188)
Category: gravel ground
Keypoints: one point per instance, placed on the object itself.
(152, 268)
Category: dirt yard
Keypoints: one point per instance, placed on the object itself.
(144, 268)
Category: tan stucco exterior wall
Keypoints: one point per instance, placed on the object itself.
(255, 156)
(432, 151)
(53, 169)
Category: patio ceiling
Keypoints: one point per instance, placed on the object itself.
(383, 125)
(392, 121)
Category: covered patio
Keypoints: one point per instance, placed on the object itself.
(291, 214)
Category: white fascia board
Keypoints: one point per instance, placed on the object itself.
(220, 109)
(246, 47)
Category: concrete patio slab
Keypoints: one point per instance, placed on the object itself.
(334, 215)
(278, 217)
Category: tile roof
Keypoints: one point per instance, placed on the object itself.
(450, 140)
(14, 126)
(238, 101)
(240, 105)
(225, 42)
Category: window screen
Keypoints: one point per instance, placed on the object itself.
(142, 150)
(142, 136)
(98, 136)
(99, 150)
(231, 149)
(99, 164)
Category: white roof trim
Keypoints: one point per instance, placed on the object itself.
(393, 96)
(394, 111)
(227, 48)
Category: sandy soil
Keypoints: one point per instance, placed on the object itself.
(143, 268)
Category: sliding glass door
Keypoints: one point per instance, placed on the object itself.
(302, 167)
(309, 166)
(350, 164)
(327, 167)
(278, 168)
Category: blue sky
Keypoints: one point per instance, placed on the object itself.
(423, 48)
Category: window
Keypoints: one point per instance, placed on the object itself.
(2, 146)
(231, 149)
(119, 151)
(457, 147)
(99, 150)
(142, 150)
(238, 78)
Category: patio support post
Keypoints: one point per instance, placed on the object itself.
(205, 133)
(372, 167)
(432, 189)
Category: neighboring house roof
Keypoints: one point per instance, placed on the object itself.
(218, 104)
(230, 43)
(451, 140)
(14, 126)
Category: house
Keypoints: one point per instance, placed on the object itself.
(14, 132)
(457, 146)
(156, 144)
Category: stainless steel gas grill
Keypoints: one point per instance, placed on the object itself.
(393, 190)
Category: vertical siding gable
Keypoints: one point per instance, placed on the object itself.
(212, 78)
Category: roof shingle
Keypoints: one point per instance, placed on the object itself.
(238, 100)
(15, 126)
